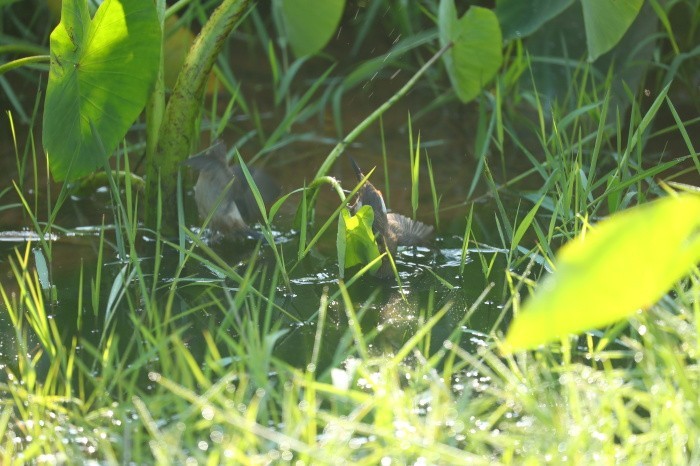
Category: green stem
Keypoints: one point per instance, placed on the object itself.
(177, 130)
(23, 61)
(335, 184)
(340, 147)
(22, 48)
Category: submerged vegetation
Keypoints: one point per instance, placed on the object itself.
(122, 341)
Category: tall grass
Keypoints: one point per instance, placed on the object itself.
(176, 363)
(629, 394)
(634, 399)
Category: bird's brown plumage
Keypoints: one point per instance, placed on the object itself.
(391, 229)
(233, 200)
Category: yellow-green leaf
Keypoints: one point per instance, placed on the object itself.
(356, 243)
(625, 263)
(102, 71)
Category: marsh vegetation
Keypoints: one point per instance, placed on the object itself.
(133, 328)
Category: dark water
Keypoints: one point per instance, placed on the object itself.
(430, 276)
(394, 312)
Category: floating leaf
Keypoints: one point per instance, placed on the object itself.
(606, 21)
(102, 70)
(625, 263)
(476, 54)
(310, 24)
(356, 243)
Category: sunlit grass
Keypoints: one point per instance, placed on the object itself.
(634, 399)
(152, 399)
(165, 392)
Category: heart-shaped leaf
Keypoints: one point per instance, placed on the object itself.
(625, 263)
(102, 70)
(476, 54)
(606, 22)
(310, 24)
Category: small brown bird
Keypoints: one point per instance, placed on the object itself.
(236, 206)
(391, 229)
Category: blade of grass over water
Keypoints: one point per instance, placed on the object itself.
(267, 229)
(433, 192)
(218, 264)
(415, 175)
(465, 240)
(354, 323)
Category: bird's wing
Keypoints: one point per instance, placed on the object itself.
(269, 190)
(409, 232)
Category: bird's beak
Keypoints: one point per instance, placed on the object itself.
(356, 167)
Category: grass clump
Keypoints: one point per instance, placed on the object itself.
(182, 366)
(627, 398)
(168, 350)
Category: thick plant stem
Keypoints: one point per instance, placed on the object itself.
(177, 130)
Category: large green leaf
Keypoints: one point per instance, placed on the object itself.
(625, 263)
(476, 54)
(356, 244)
(606, 21)
(520, 18)
(310, 24)
(564, 37)
(101, 73)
